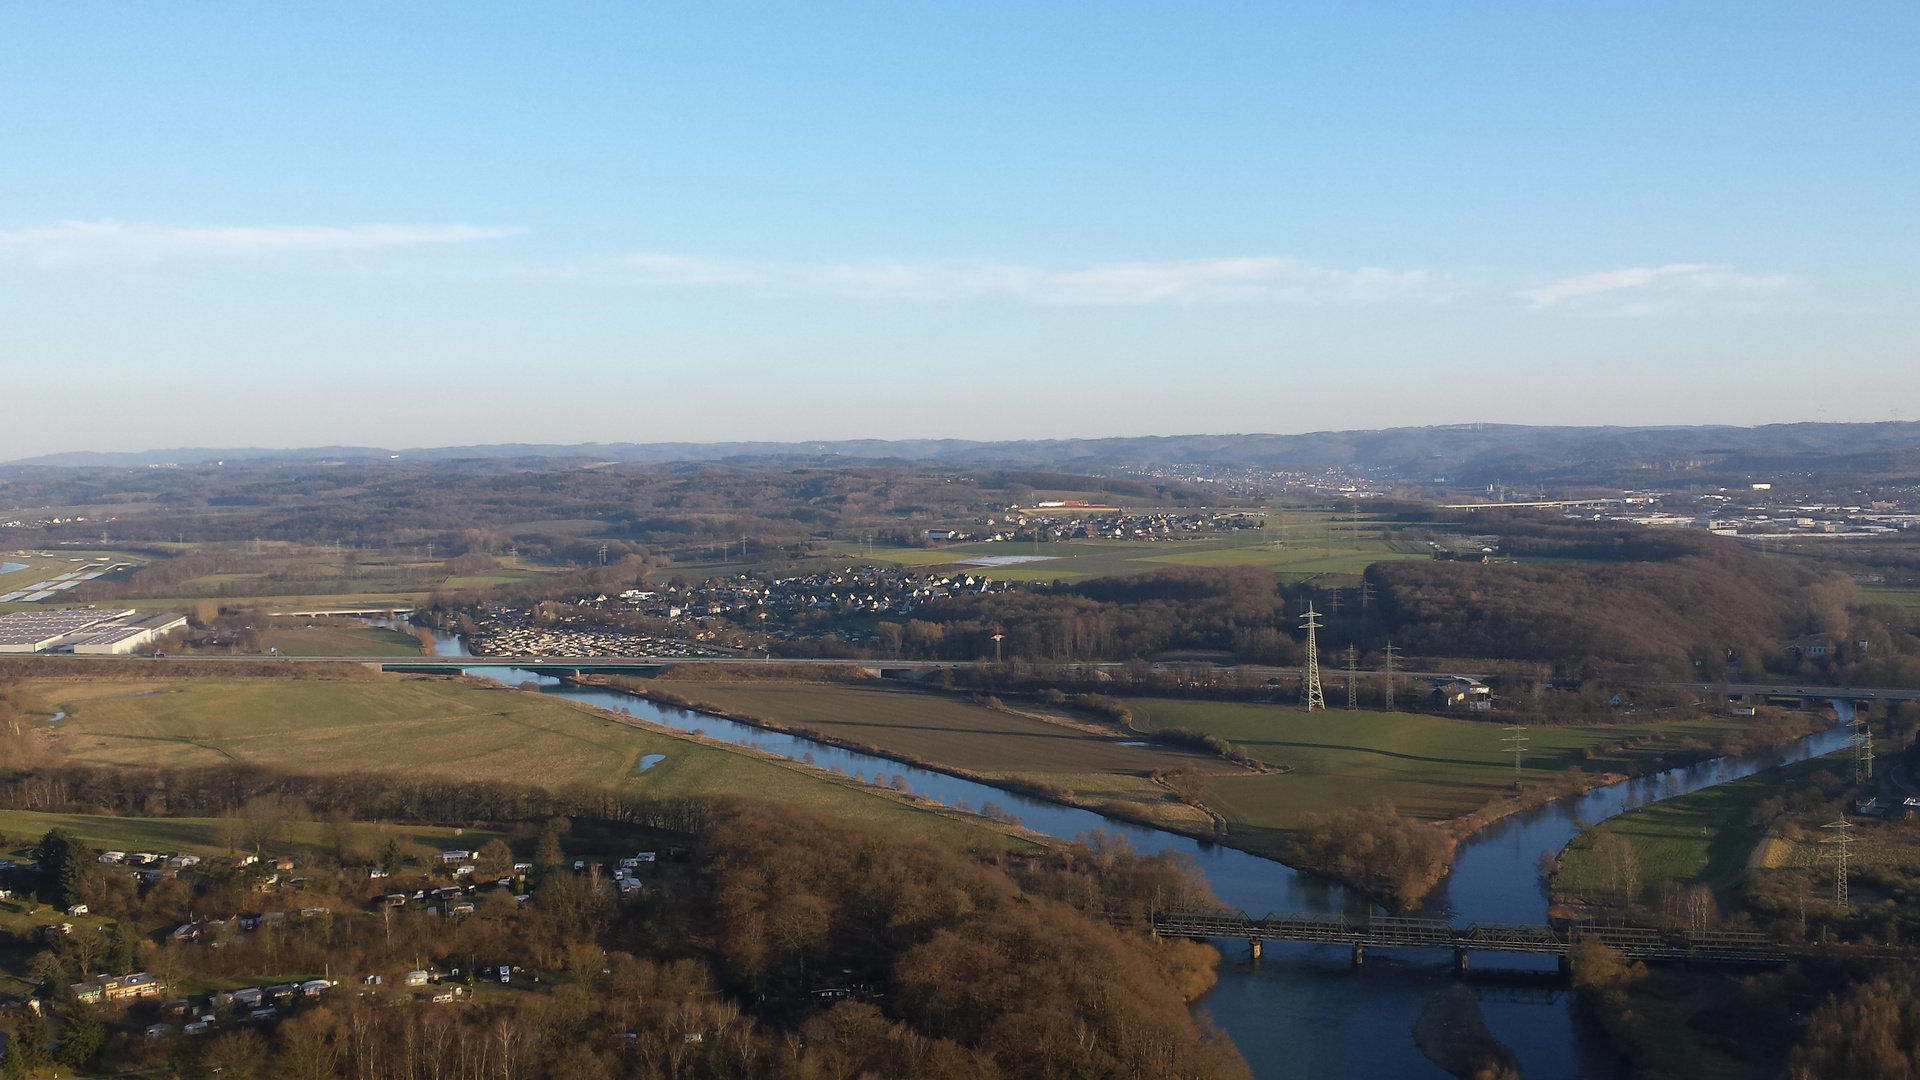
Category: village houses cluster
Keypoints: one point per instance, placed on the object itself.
(685, 614)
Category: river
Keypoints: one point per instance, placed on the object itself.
(1304, 1010)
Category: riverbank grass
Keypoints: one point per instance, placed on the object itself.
(1708, 837)
(443, 727)
(1432, 767)
(1066, 757)
(336, 640)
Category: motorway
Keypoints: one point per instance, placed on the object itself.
(1844, 693)
(1332, 676)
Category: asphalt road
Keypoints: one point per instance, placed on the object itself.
(1330, 675)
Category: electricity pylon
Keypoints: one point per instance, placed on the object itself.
(1353, 678)
(1389, 676)
(1517, 738)
(1840, 842)
(1310, 692)
(1862, 740)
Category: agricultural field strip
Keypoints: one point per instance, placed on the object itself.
(1433, 767)
(441, 728)
(202, 836)
(928, 727)
(1703, 837)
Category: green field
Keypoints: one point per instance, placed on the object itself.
(438, 726)
(954, 732)
(400, 598)
(1702, 838)
(1429, 766)
(321, 640)
(1294, 545)
(1436, 768)
(1904, 597)
(207, 836)
(933, 727)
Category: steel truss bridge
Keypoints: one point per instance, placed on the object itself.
(1390, 932)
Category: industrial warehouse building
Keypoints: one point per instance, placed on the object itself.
(85, 631)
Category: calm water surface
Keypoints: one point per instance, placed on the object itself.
(1307, 1011)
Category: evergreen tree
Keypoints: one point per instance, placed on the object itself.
(27, 1046)
(67, 864)
(81, 1036)
(390, 860)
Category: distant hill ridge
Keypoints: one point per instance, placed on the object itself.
(1463, 453)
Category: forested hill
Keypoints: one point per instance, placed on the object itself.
(1673, 604)
(1577, 599)
(1464, 454)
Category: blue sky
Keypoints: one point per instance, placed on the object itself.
(270, 225)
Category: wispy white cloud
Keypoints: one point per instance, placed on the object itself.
(122, 245)
(1643, 290)
(134, 244)
(1190, 281)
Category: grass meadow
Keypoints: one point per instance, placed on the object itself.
(339, 641)
(1702, 838)
(1432, 767)
(1435, 768)
(442, 727)
(1295, 545)
(1904, 597)
(211, 836)
(936, 727)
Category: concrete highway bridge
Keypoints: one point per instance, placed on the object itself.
(1388, 932)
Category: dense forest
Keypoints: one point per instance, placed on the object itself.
(781, 944)
(1870, 1033)
(1672, 604)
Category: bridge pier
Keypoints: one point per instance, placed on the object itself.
(1359, 955)
(1254, 943)
(1460, 960)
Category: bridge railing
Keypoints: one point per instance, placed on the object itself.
(1389, 931)
(1523, 936)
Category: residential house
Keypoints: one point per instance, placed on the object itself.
(117, 988)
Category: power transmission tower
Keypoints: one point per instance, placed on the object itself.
(1366, 597)
(1840, 842)
(603, 554)
(1389, 676)
(1353, 678)
(1862, 740)
(1310, 692)
(1517, 746)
